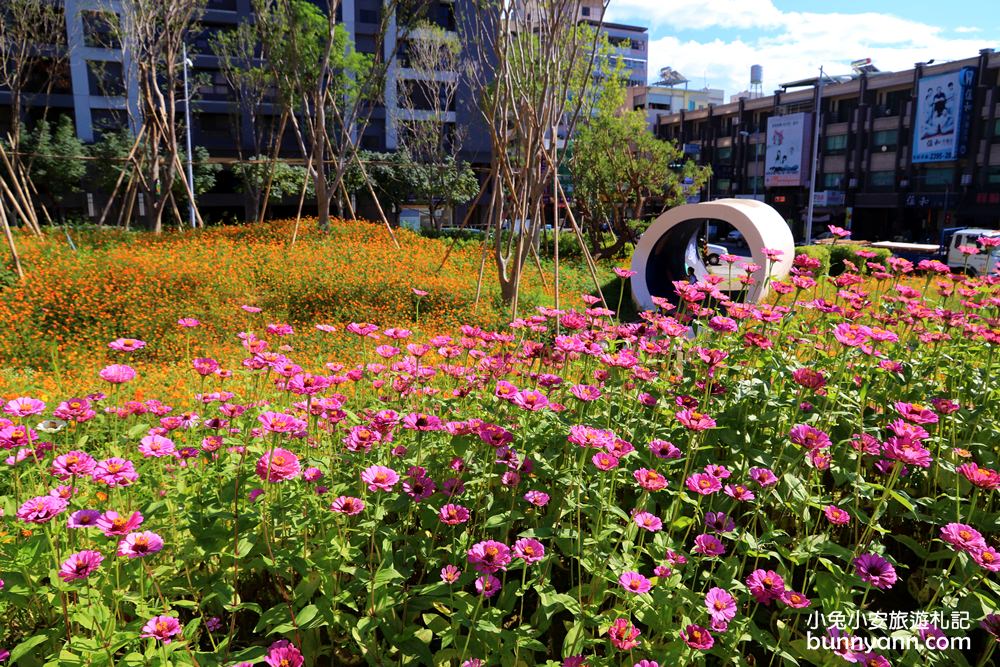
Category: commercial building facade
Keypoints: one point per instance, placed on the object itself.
(670, 93)
(900, 155)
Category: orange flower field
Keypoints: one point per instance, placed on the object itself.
(128, 284)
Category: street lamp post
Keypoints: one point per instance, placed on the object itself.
(815, 159)
(187, 123)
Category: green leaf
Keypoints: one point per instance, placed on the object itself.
(24, 647)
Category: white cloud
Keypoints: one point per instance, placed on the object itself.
(789, 45)
(968, 29)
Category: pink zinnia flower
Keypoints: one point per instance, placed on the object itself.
(112, 523)
(450, 574)
(763, 476)
(963, 536)
(283, 653)
(162, 628)
(585, 392)
(115, 472)
(623, 635)
(156, 446)
(765, 585)
(795, 600)
(739, 492)
(489, 556)
(348, 505)
(663, 449)
(419, 421)
(988, 559)
(648, 521)
(695, 421)
(188, 323)
(528, 549)
(650, 480)
(379, 478)
(80, 565)
(73, 464)
(126, 345)
(720, 604)
(836, 516)
(205, 366)
(279, 422)
(24, 406)
(117, 373)
(697, 637)
(703, 484)
(809, 437)
(537, 498)
(453, 515)
(278, 465)
(138, 545)
(83, 519)
(913, 412)
(633, 582)
(487, 585)
(708, 545)
(875, 570)
(909, 451)
(604, 461)
(41, 509)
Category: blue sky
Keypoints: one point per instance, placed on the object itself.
(714, 42)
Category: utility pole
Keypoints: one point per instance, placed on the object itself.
(187, 123)
(815, 159)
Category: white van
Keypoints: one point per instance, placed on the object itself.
(983, 263)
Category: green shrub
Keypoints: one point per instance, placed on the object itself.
(820, 252)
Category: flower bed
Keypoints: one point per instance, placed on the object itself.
(727, 484)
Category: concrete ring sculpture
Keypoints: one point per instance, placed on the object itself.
(669, 246)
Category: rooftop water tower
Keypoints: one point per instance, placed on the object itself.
(756, 81)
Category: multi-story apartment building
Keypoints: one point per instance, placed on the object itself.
(900, 154)
(95, 87)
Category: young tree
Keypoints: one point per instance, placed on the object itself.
(152, 38)
(619, 168)
(540, 78)
(58, 165)
(32, 36)
(426, 81)
(253, 85)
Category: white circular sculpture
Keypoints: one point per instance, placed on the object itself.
(669, 247)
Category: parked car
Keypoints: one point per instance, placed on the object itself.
(714, 253)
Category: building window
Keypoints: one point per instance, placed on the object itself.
(105, 78)
(368, 16)
(993, 175)
(100, 30)
(833, 181)
(755, 184)
(836, 144)
(881, 180)
(723, 185)
(996, 128)
(939, 177)
(887, 138)
(724, 155)
(585, 11)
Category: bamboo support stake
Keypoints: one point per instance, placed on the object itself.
(24, 209)
(10, 241)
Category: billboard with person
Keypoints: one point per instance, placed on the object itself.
(787, 150)
(944, 106)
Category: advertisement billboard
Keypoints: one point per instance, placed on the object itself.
(944, 107)
(787, 150)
